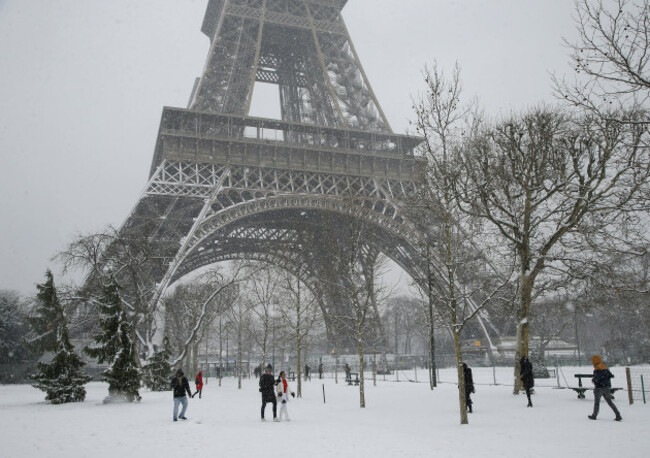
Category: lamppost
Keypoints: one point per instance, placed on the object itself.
(273, 336)
(572, 308)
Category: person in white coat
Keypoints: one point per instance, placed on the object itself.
(283, 395)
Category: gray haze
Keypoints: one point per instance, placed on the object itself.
(83, 83)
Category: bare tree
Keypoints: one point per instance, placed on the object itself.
(460, 279)
(299, 314)
(192, 307)
(358, 266)
(610, 56)
(539, 178)
(263, 290)
(132, 261)
(240, 319)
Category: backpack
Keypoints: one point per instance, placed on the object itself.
(197, 381)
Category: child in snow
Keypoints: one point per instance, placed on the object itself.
(283, 395)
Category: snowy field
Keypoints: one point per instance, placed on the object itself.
(401, 420)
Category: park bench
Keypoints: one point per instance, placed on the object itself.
(292, 376)
(582, 389)
(353, 379)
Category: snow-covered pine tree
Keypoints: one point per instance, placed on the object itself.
(158, 371)
(62, 378)
(115, 347)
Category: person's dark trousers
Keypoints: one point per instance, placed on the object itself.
(275, 408)
(530, 403)
(199, 392)
(468, 401)
(605, 393)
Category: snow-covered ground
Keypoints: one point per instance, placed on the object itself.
(401, 420)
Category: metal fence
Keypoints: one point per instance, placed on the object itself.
(638, 384)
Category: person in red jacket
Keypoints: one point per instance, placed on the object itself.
(198, 381)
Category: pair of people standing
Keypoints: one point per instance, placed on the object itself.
(525, 371)
(267, 388)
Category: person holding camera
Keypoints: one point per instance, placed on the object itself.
(267, 384)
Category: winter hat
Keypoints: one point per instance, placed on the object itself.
(269, 367)
(597, 361)
(200, 373)
(180, 372)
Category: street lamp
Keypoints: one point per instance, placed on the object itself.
(572, 308)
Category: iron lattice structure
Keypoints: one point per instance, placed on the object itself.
(224, 185)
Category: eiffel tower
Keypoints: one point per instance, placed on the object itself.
(224, 185)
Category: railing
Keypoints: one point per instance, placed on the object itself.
(220, 126)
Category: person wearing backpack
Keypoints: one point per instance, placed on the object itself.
(602, 387)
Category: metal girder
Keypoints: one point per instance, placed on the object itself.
(302, 46)
(224, 185)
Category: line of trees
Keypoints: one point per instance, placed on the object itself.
(555, 191)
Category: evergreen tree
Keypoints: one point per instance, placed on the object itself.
(115, 347)
(158, 371)
(62, 378)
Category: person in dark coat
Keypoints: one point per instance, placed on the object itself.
(602, 385)
(267, 388)
(198, 381)
(527, 379)
(180, 385)
(320, 370)
(469, 386)
(307, 372)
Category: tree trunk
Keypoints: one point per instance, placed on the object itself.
(362, 392)
(523, 328)
(298, 371)
(461, 377)
(239, 353)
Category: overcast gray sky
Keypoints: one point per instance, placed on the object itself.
(83, 83)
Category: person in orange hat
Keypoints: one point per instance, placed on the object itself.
(602, 384)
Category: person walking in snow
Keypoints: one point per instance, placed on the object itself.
(180, 385)
(267, 384)
(320, 370)
(307, 372)
(348, 372)
(283, 395)
(527, 379)
(198, 381)
(469, 386)
(602, 385)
